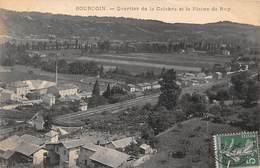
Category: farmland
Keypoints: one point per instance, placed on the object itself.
(135, 62)
(139, 62)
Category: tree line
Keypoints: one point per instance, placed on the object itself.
(105, 46)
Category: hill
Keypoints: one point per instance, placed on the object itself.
(41, 25)
(193, 138)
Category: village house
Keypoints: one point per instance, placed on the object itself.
(146, 149)
(201, 75)
(9, 106)
(83, 106)
(22, 151)
(24, 154)
(121, 144)
(64, 153)
(8, 95)
(37, 122)
(156, 85)
(217, 75)
(131, 88)
(52, 136)
(144, 86)
(20, 88)
(14, 159)
(85, 152)
(55, 134)
(92, 156)
(226, 52)
(85, 94)
(9, 143)
(39, 86)
(64, 90)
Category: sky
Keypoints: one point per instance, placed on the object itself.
(242, 11)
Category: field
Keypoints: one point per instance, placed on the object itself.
(139, 62)
(135, 61)
(193, 136)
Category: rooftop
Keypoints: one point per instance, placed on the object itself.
(51, 133)
(7, 154)
(110, 157)
(67, 86)
(72, 143)
(145, 146)
(31, 139)
(17, 84)
(122, 143)
(39, 84)
(75, 143)
(27, 148)
(93, 147)
(9, 143)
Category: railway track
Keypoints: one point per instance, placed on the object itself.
(111, 108)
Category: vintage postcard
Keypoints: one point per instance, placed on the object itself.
(129, 83)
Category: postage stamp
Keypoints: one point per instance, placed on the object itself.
(240, 150)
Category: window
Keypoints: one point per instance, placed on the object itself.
(86, 162)
(64, 152)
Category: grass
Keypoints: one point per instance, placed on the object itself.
(194, 137)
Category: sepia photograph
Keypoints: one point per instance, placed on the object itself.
(129, 83)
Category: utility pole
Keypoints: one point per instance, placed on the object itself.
(56, 70)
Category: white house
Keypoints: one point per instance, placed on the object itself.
(64, 90)
(146, 149)
(39, 86)
(144, 86)
(65, 153)
(20, 88)
(131, 88)
(156, 85)
(8, 95)
(83, 106)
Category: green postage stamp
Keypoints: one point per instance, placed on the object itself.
(238, 150)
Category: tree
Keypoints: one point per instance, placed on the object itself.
(185, 103)
(96, 89)
(198, 105)
(148, 135)
(170, 91)
(222, 94)
(194, 104)
(252, 93)
(162, 72)
(47, 122)
(133, 149)
(107, 93)
(101, 71)
(245, 88)
(249, 118)
(159, 119)
(239, 85)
